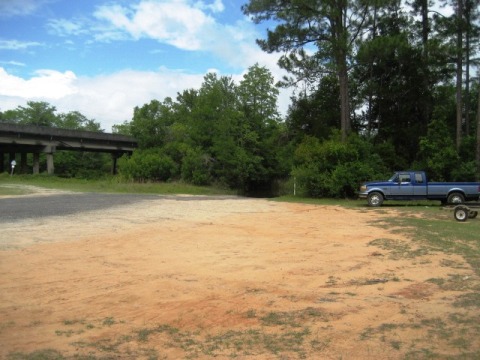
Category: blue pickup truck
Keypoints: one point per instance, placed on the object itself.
(413, 185)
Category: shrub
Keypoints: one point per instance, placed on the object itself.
(148, 165)
(333, 168)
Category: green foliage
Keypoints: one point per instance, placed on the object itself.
(315, 114)
(437, 149)
(148, 164)
(150, 123)
(333, 168)
(122, 129)
(37, 113)
(197, 168)
(223, 133)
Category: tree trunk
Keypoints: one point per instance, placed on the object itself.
(426, 63)
(340, 37)
(459, 72)
(477, 152)
(344, 103)
(468, 34)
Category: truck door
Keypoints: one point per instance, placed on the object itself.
(420, 185)
(405, 187)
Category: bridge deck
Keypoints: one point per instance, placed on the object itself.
(17, 137)
(25, 139)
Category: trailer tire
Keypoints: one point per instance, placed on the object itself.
(455, 198)
(461, 213)
(472, 214)
(375, 199)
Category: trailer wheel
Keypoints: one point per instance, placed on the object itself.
(461, 213)
(375, 199)
(472, 214)
(456, 198)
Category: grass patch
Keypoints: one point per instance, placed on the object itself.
(47, 354)
(111, 184)
(398, 249)
(433, 231)
(8, 190)
(429, 230)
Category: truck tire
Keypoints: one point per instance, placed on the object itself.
(375, 199)
(455, 198)
(472, 214)
(460, 213)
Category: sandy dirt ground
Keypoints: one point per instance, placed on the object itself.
(232, 278)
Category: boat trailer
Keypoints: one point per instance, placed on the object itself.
(463, 212)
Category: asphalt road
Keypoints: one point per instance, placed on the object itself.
(28, 207)
(20, 208)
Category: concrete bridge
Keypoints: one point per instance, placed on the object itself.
(23, 139)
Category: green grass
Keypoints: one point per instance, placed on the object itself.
(434, 230)
(358, 203)
(110, 184)
(431, 230)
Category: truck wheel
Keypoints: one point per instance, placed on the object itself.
(460, 213)
(375, 199)
(455, 198)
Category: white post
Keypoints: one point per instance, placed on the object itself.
(13, 163)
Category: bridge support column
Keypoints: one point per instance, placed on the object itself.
(50, 167)
(49, 150)
(23, 163)
(36, 163)
(114, 163)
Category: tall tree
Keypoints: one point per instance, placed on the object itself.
(150, 123)
(315, 114)
(76, 121)
(392, 83)
(258, 95)
(477, 150)
(472, 34)
(459, 70)
(329, 27)
(37, 113)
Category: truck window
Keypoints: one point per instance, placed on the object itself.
(419, 178)
(404, 178)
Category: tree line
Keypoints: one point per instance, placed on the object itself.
(378, 87)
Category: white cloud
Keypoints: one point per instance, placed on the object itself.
(64, 27)
(20, 7)
(46, 83)
(13, 62)
(108, 99)
(186, 26)
(17, 45)
(175, 22)
(216, 7)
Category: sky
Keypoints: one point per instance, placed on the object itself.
(104, 57)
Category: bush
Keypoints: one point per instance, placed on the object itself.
(148, 165)
(196, 168)
(334, 168)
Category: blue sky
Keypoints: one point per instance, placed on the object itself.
(104, 57)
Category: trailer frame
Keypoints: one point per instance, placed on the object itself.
(463, 212)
